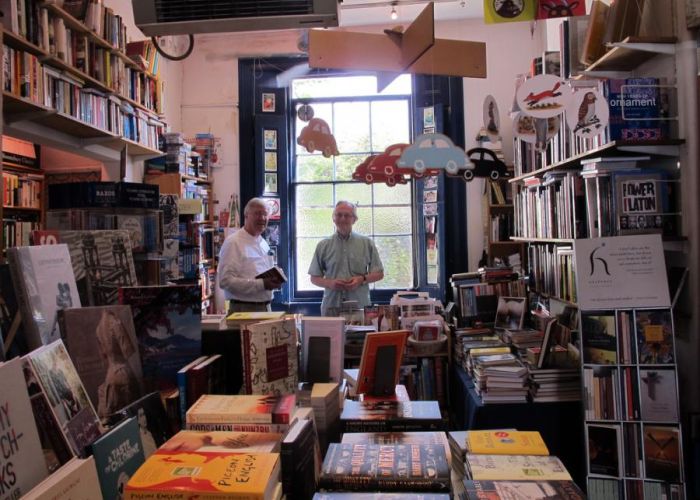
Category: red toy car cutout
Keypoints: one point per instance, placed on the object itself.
(316, 136)
(363, 174)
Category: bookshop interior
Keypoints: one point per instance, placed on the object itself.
(350, 249)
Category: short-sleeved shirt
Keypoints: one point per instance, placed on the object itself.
(342, 258)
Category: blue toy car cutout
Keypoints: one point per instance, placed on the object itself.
(434, 151)
(486, 164)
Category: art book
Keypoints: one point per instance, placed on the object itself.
(642, 202)
(102, 344)
(515, 468)
(22, 462)
(223, 442)
(387, 467)
(390, 416)
(380, 363)
(507, 490)
(599, 338)
(242, 408)
(206, 475)
(58, 379)
(270, 362)
(167, 320)
(168, 205)
(662, 453)
(418, 437)
(44, 283)
(654, 336)
(323, 349)
(658, 395)
(604, 449)
(102, 262)
(637, 109)
(118, 454)
(76, 480)
(154, 427)
(506, 442)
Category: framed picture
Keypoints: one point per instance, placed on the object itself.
(270, 161)
(268, 103)
(270, 183)
(273, 208)
(510, 313)
(270, 139)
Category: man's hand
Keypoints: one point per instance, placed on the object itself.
(355, 282)
(272, 283)
(339, 284)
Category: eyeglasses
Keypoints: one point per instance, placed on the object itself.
(341, 215)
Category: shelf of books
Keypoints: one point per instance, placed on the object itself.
(500, 226)
(629, 370)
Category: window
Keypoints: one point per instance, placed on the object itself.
(363, 123)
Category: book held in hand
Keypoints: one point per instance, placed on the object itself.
(275, 272)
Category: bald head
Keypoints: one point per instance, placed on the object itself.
(255, 216)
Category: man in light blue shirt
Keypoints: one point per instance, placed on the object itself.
(346, 263)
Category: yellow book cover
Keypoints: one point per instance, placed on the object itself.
(516, 468)
(242, 318)
(488, 351)
(249, 476)
(506, 442)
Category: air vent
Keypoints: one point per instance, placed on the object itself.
(199, 10)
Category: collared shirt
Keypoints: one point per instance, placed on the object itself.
(241, 258)
(342, 258)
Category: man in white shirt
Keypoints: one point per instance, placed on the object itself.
(243, 256)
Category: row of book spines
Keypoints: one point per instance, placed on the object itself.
(17, 233)
(426, 381)
(21, 190)
(429, 424)
(552, 271)
(599, 488)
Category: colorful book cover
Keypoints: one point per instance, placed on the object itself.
(118, 454)
(658, 395)
(270, 362)
(662, 453)
(506, 490)
(516, 468)
(107, 360)
(45, 283)
(154, 427)
(637, 108)
(71, 406)
(22, 461)
(242, 408)
(417, 437)
(506, 442)
(654, 336)
(642, 202)
(506, 11)
(380, 363)
(168, 327)
(102, 262)
(246, 475)
(223, 442)
(76, 480)
(390, 416)
(599, 338)
(388, 467)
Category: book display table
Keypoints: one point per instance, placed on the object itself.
(559, 423)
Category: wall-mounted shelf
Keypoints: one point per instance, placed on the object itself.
(631, 52)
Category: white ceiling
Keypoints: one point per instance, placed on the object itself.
(365, 12)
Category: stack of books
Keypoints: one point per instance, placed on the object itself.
(522, 339)
(389, 416)
(555, 384)
(500, 378)
(472, 353)
(467, 338)
(326, 407)
(246, 413)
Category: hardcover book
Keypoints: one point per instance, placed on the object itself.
(515, 468)
(44, 283)
(506, 442)
(107, 360)
(102, 262)
(386, 416)
(389, 467)
(599, 338)
(270, 363)
(70, 404)
(76, 480)
(168, 205)
(154, 427)
(642, 201)
(168, 327)
(184, 401)
(604, 450)
(223, 442)
(637, 109)
(206, 475)
(253, 409)
(118, 454)
(238, 319)
(275, 272)
(323, 349)
(506, 490)
(658, 395)
(22, 462)
(301, 460)
(429, 437)
(654, 336)
(662, 453)
(380, 363)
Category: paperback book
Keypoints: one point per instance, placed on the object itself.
(389, 416)
(77, 480)
(380, 363)
(515, 468)
(654, 336)
(270, 362)
(507, 490)
(506, 442)
(253, 409)
(222, 442)
(599, 338)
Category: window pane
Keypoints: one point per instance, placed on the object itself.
(351, 127)
(360, 194)
(345, 165)
(398, 194)
(392, 220)
(397, 257)
(343, 86)
(390, 124)
(364, 221)
(314, 222)
(314, 168)
(305, 248)
(314, 195)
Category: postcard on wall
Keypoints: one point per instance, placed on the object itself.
(430, 196)
(270, 183)
(270, 139)
(621, 272)
(268, 103)
(430, 182)
(270, 161)
(430, 208)
(428, 117)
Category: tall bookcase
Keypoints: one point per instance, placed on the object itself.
(554, 213)
(500, 223)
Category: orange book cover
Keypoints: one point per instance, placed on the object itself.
(205, 475)
(373, 363)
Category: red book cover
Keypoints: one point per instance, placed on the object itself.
(374, 344)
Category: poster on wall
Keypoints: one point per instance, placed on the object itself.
(268, 103)
(270, 139)
(270, 183)
(270, 161)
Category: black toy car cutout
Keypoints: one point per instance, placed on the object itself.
(486, 164)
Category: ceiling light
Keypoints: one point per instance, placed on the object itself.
(394, 14)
